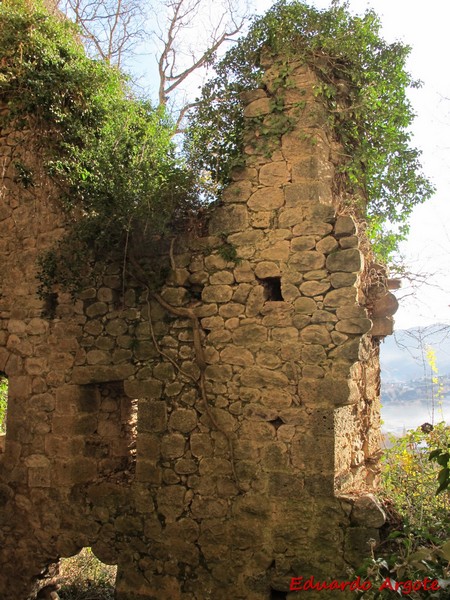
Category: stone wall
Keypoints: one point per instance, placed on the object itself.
(254, 381)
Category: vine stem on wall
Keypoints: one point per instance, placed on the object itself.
(200, 383)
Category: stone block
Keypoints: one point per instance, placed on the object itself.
(174, 296)
(217, 293)
(148, 472)
(219, 373)
(386, 306)
(173, 446)
(228, 219)
(286, 485)
(344, 226)
(329, 390)
(297, 144)
(266, 199)
(259, 377)
(221, 278)
(274, 174)
(308, 260)
(339, 280)
(39, 477)
(302, 243)
(340, 297)
(249, 335)
(305, 306)
(201, 445)
(101, 373)
(367, 512)
(382, 326)
(97, 309)
(347, 261)
(75, 471)
(349, 242)
(314, 288)
(259, 107)
(143, 388)
(348, 350)
(243, 173)
(266, 269)
(98, 357)
(315, 334)
(152, 416)
(327, 244)
(354, 326)
(116, 327)
(183, 420)
(310, 227)
(277, 251)
(239, 191)
(351, 312)
(85, 424)
(357, 544)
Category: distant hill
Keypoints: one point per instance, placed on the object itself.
(403, 355)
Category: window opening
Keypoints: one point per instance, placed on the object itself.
(3, 402)
(113, 443)
(272, 289)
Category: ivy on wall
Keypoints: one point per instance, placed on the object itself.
(111, 154)
(362, 83)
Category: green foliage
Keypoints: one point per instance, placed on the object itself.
(363, 85)
(442, 458)
(420, 547)
(404, 560)
(409, 479)
(111, 154)
(84, 577)
(3, 403)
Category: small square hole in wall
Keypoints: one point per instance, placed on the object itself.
(272, 289)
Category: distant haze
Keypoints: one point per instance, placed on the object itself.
(408, 395)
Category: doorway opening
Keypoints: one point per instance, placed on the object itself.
(85, 577)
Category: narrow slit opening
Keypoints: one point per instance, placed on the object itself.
(3, 408)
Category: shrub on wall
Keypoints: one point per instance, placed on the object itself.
(362, 83)
(111, 153)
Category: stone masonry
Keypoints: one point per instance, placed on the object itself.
(254, 458)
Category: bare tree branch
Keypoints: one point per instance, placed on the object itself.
(110, 28)
(186, 35)
(179, 58)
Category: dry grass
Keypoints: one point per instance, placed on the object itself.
(84, 577)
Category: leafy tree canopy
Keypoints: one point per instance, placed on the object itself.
(363, 83)
(111, 153)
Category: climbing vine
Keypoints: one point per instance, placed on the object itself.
(362, 83)
(110, 153)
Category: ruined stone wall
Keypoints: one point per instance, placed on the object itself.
(253, 460)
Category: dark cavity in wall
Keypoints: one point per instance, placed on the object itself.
(272, 289)
(277, 594)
